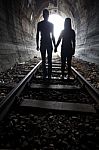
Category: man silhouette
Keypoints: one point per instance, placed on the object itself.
(46, 29)
(68, 46)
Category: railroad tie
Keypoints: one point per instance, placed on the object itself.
(61, 106)
(54, 86)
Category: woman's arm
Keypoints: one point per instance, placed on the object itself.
(73, 42)
(37, 37)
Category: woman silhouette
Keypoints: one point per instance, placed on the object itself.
(68, 46)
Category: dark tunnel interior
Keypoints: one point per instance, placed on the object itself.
(18, 21)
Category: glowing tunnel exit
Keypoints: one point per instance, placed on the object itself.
(58, 22)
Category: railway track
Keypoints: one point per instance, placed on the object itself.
(13, 76)
(74, 101)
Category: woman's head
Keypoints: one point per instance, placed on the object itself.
(67, 23)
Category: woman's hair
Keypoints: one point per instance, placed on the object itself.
(67, 23)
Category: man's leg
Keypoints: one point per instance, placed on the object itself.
(49, 51)
(43, 55)
(69, 59)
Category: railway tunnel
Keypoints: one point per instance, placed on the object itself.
(48, 113)
(18, 22)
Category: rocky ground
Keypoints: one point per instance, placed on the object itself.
(89, 70)
(50, 131)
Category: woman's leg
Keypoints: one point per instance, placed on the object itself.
(69, 59)
(63, 63)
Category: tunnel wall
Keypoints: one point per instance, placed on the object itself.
(85, 19)
(88, 31)
(16, 34)
(85, 16)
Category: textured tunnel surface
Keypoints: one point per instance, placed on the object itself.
(18, 20)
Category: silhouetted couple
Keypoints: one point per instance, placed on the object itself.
(67, 48)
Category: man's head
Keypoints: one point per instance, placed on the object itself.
(45, 14)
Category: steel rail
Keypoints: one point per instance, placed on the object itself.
(92, 90)
(9, 100)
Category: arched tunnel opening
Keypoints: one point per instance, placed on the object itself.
(18, 23)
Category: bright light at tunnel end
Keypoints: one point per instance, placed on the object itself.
(58, 23)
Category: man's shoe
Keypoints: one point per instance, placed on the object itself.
(49, 77)
(62, 77)
(67, 77)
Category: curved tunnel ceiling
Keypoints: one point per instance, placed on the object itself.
(18, 21)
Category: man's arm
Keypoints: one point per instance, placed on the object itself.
(37, 37)
(53, 38)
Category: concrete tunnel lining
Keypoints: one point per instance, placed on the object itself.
(18, 29)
